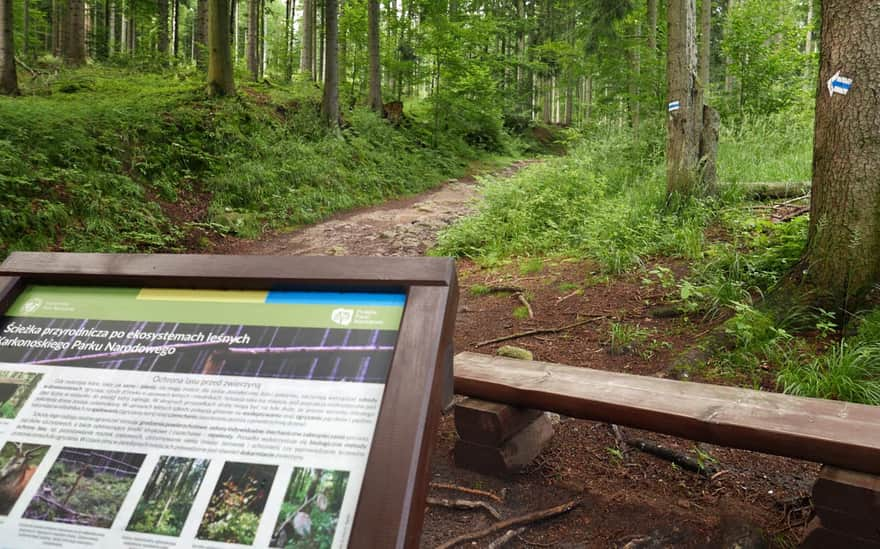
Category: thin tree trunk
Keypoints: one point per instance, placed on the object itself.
(374, 99)
(123, 28)
(305, 60)
(330, 104)
(288, 42)
(841, 262)
(705, 45)
(220, 78)
(176, 23)
(682, 139)
(252, 38)
(162, 35)
(26, 30)
(75, 42)
(634, 81)
(728, 78)
(320, 41)
(201, 34)
(111, 28)
(8, 76)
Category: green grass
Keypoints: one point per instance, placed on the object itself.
(87, 158)
(769, 147)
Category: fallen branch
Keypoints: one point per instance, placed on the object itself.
(792, 201)
(504, 289)
(793, 214)
(540, 331)
(472, 491)
(21, 63)
(522, 299)
(511, 522)
(682, 460)
(502, 541)
(563, 298)
(464, 504)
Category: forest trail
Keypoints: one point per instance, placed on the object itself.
(403, 227)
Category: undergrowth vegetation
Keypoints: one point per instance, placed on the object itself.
(606, 202)
(96, 159)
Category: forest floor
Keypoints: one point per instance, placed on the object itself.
(629, 499)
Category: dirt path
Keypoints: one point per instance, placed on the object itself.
(401, 227)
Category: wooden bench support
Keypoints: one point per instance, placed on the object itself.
(847, 507)
(498, 439)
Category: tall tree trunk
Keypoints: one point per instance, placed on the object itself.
(201, 34)
(652, 26)
(705, 53)
(305, 60)
(8, 76)
(26, 29)
(253, 37)
(111, 28)
(162, 34)
(728, 77)
(289, 11)
(75, 40)
(176, 33)
(123, 28)
(842, 261)
(374, 100)
(634, 83)
(233, 30)
(320, 40)
(220, 81)
(330, 104)
(682, 140)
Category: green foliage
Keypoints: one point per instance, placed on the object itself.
(626, 338)
(166, 502)
(591, 203)
(847, 371)
(96, 499)
(315, 496)
(229, 517)
(96, 159)
(762, 41)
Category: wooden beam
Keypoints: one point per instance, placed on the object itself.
(228, 271)
(836, 433)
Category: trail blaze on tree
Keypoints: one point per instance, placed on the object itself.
(841, 262)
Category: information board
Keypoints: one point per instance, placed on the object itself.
(160, 417)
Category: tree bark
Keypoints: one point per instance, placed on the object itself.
(374, 99)
(305, 60)
(330, 104)
(162, 34)
(220, 80)
(290, 10)
(176, 28)
(74, 35)
(705, 50)
(682, 139)
(26, 29)
(634, 81)
(842, 260)
(201, 34)
(8, 76)
(253, 37)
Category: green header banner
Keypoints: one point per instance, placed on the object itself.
(354, 310)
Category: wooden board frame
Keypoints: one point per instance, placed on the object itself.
(390, 511)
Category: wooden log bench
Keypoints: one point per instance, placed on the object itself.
(845, 437)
